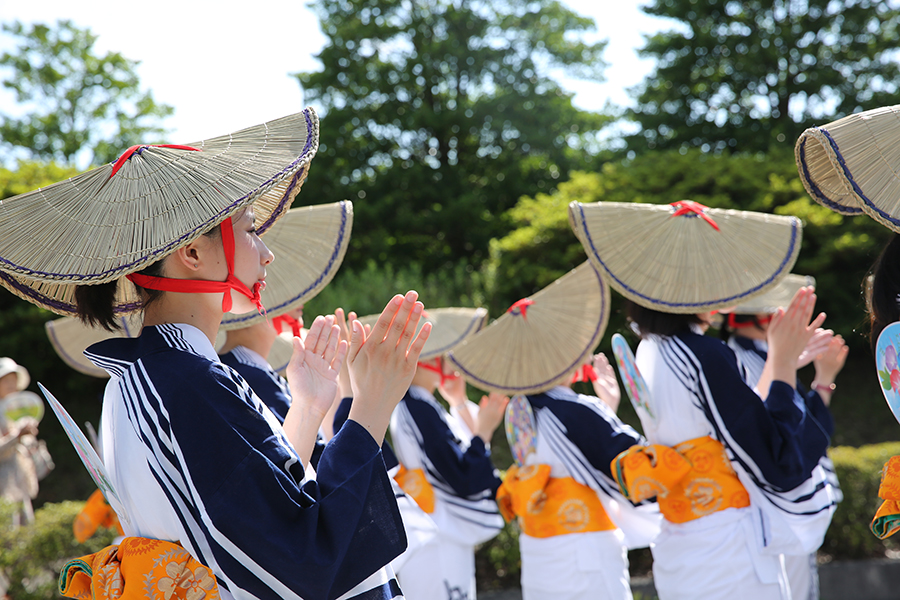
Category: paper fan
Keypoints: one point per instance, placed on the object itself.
(70, 337)
(449, 327)
(541, 339)
(685, 257)
(309, 244)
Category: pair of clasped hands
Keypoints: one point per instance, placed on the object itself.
(795, 340)
(381, 364)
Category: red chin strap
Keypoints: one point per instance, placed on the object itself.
(733, 323)
(585, 373)
(437, 369)
(201, 286)
(279, 323)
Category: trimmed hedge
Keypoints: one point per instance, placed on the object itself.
(32, 556)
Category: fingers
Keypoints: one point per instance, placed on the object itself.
(322, 341)
(357, 338)
(416, 347)
(315, 331)
(340, 355)
(409, 310)
(817, 322)
(387, 317)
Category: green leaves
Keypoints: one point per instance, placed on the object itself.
(451, 104)
(747, 76)
(77, 104)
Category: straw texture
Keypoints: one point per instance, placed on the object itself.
(449, 327)
(681, 263)
(532, 350)
(70, 337)
(60, 297)
(777, 297)
(853, 164)
(309, 244)
(97, 226)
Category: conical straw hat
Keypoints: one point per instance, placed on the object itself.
(70, 337)
(449, 327)
(119, 218)
(309, 245)
(684, 257)
(777, 297)
(537, 345)
(853, 164)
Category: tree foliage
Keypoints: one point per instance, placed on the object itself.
(439, 114)
(742, 75)
(74, 100)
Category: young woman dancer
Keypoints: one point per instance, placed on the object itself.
(196, 457)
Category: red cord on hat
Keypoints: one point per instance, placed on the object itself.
(438, 369)
(202, 286)
(689, 206)
(279, 323)
(734, 324)
(127, 154)
(521, 307)
(585, 373)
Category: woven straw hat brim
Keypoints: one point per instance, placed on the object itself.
(97, 227)
(853, 164)
(309, 244)
(60, 297)
(449, 328)
(682, 264)
(777, 297)
(535, 351)
(70, 337)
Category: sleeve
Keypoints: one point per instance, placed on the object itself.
(340, 417)
(818, 410)
(467, 472)
(778, 436)
(260, 526)
(598, 434)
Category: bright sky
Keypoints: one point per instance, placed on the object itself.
(225, 68)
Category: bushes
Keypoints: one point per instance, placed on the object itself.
(859, 471)
(32, 556)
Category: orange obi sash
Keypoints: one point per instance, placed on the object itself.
(549, 506)
(416, 487)
(691, 480)
(887, 519)
(135, 569)
(96, 513)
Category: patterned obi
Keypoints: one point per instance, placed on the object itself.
(95, 514)
(689, 481)
(549, 506)
(135, 569)
(416, 486)
(887, 519)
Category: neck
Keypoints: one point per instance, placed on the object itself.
(203, 311)
(426, 379)
(258, 337)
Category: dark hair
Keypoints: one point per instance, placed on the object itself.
(725, 330)
(882, 290)
(655, 322)
(94, 303)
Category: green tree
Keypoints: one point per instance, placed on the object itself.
(439, 114)
(743, 75)
(74, 100)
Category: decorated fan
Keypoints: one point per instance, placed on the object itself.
(886, 352)
(22, 404)
(635, 386)
(521, 430)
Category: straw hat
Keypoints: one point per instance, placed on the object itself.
(541, 339)
(853, 164)
(309, 245)
(449, 327)
(777, 297)
(8, 365)
(685, 257)
(119, 218)
(70, 338)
